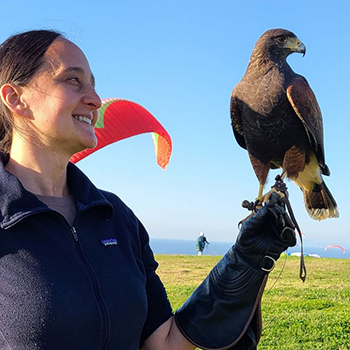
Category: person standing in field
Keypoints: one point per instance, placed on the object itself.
(201, 243)
(76, 268)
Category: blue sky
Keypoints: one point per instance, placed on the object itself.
(181, 60)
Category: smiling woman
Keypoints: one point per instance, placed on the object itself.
(61, 287)
(56, 108)
(76, 268)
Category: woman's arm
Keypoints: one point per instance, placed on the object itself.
(224, 311)
(167, 336)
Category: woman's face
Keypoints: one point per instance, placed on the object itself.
(62, 101)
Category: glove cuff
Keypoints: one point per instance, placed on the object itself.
(225, 308)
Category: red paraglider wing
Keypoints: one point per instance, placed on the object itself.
(334, 246)
(119, 119)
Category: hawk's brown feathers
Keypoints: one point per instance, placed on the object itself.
(276, 117)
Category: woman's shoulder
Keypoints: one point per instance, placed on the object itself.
(118, 204)
(114, 199)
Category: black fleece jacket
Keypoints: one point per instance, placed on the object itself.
(90, 286)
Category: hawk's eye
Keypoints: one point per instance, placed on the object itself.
(281, 39)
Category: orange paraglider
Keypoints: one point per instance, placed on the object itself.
(334, 246)
(119, 119)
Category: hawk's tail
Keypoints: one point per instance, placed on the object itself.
(320, 203)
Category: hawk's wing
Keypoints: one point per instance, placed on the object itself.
(236, 121)
(305, 105)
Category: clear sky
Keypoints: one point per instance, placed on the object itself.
(180, 60)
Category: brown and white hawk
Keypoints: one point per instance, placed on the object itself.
(276, 118)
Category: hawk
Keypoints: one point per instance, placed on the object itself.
(276, 118)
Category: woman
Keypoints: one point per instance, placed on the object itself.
(76, 269)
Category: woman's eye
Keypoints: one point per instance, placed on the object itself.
(74, 80)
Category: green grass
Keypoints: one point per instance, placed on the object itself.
(296, 316)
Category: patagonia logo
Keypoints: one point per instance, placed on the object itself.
(109, 241)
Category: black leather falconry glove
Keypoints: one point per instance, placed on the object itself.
(224, 311)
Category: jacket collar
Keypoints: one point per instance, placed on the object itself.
(17, 203)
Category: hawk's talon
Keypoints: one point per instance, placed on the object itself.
(250, 205)
(245, 219)
(279, 185)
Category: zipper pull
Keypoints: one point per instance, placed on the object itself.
(74, 232)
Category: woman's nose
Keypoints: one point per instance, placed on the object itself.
(92, 99)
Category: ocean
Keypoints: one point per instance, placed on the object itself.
(187, 247)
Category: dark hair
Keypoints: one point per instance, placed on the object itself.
(21, 56)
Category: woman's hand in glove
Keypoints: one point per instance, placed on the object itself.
(264, 236)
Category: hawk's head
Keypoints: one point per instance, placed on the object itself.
(277, 44)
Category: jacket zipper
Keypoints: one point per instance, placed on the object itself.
(74, 233)
(100, 302)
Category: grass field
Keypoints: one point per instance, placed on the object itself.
(296, 315)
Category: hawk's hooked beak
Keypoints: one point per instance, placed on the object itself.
(295, 45)
(301, 48)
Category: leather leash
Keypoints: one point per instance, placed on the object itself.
(281, 187)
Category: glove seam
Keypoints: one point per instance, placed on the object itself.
(249, 275)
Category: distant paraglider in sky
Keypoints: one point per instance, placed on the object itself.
(334, 246)
(119, 119)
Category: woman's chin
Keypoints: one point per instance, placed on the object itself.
(89, 141)
(86, 144)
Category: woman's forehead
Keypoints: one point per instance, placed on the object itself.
(62, 54)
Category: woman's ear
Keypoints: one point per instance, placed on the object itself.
(11, 96)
